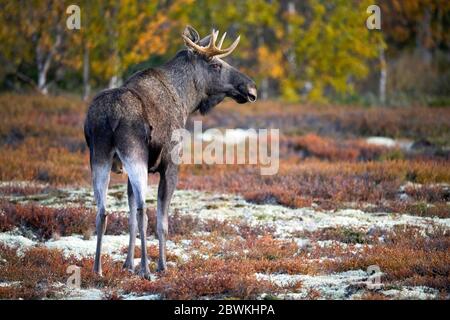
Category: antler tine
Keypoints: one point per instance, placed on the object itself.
(191, 44)
(221, 40)
(212, 42)
(230, 49)
(212, 50)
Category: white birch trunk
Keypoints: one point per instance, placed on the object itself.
(86, 86)
(383, 77)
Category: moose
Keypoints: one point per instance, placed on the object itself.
(131, 126)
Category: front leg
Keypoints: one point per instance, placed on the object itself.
(167, 184)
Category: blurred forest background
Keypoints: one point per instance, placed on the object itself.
(298, 51)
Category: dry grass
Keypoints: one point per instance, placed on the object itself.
(39, 270)
(329, 184)
(228, 272)
(35, 160)
(36, 270)
(414, 123)
(422, 209)
(46, 222)
(41, 138)
(325, 148)
(406, 257)
(205, 278)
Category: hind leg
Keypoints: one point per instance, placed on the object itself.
(100, 172)
(131, 141)
(137, 173)
(132, 222)
(167, 185)
(136, 165)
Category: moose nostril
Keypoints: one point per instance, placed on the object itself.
(252, 94)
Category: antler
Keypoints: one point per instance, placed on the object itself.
(212, 50)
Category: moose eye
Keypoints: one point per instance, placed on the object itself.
(216, 66)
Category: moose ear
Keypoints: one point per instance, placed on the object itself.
(205, 41)
(191, 33)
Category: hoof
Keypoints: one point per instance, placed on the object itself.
(161, 268)
(98, 273)
(129, 266)
(145, 275)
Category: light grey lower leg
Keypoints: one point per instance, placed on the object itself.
(142, 222)
(132, 222)
(101, 222)
(166, 188)
(100, 181)
(137, 173)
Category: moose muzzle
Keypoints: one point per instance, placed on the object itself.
(251, 93)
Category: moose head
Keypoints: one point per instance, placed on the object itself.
(217, 78)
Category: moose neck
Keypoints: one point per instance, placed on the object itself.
(180, 71)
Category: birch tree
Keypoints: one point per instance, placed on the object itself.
(32, 30)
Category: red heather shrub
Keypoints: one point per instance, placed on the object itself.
(200, 278)
(36, 270)
(46, 221)
(406, 257)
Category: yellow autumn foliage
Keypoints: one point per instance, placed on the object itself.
(310, 50)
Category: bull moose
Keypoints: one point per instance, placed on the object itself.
(132, 126)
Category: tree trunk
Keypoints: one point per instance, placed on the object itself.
(291, 57)
(264, 88)
(423, 38)
(44, 60)
(86, 86)
(291, 53)
(43, 64)
(42, 80)
(86, 58)
(383, 77)
(114, 82)
(115, 79)
(113, 34)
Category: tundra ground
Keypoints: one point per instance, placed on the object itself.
(341, 202)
